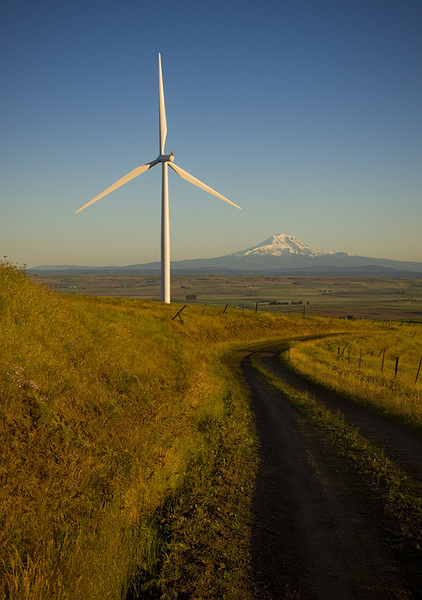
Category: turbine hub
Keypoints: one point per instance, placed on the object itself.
(166, 157)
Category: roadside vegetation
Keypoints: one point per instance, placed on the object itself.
(381, 369)
(127, 450)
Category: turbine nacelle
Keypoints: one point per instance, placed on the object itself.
(166, 157)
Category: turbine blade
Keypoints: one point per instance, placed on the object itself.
(120, 182)
(163, 120)
(199, 184)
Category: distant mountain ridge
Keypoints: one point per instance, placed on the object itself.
(280, 254)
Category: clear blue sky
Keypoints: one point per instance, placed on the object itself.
(307, 113)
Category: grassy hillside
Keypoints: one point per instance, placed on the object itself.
(127, 448)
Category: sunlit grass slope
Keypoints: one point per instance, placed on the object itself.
(127, 450)
(381, 369)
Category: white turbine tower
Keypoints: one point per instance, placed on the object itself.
(164, 159)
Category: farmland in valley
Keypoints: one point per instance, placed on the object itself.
(363, 297)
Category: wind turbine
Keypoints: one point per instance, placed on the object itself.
(165, 160)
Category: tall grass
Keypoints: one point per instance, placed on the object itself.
(124, 444)
(378, 368)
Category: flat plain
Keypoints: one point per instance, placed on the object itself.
(360, 297)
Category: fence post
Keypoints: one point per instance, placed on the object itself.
(419, 368)
(397, 366)
(342, 352)
(178, 314)
(256, 307)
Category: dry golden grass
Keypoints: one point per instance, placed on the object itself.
(363, 367)
(122, 436)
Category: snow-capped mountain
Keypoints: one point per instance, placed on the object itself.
(281, 244)
(280, 254)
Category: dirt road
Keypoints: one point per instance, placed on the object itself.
(316, 536)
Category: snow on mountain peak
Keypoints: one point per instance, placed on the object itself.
(282, 244)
